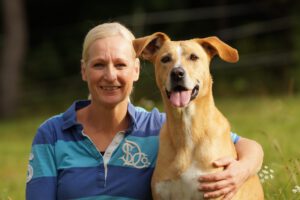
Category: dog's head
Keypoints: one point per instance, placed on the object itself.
(182, 67)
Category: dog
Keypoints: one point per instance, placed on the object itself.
(195, 132)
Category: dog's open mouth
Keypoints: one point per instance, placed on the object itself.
(181, 96)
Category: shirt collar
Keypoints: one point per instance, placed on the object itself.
(132, 114)
(70, 120)
(69, 116)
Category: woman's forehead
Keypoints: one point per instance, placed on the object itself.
(115, 46)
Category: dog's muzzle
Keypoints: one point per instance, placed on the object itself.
(180, 95)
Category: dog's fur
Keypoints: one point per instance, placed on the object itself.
(195, 133)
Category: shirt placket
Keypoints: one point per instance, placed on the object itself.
(103, 171)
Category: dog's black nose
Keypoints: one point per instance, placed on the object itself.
(177, 74)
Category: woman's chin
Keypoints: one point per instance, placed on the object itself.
(110, 101)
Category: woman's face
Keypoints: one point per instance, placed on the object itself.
(110, 70)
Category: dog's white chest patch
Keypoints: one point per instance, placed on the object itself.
(183, 188)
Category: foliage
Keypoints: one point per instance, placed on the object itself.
(261, 33)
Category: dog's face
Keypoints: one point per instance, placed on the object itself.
(182, 67)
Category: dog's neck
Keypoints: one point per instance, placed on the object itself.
(192, 131)
(182, 122)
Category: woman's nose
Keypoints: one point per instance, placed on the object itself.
(110, 73)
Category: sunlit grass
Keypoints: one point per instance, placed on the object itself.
(272, 121)
(15, 141)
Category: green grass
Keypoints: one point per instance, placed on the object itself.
(272, 121)
(15, 142)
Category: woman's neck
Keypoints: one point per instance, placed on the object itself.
(104, 119)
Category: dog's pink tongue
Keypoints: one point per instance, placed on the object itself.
(180, 99)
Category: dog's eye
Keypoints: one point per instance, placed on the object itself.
(193, 57)
(166, 59)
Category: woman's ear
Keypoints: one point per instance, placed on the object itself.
(83, 70)
(136, 69)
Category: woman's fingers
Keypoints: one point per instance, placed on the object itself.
(215, 176)
(218, 193)
(211, 186)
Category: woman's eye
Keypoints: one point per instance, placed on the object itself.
(98, 65)
(165, 59)
(121, 65)
(193, 57)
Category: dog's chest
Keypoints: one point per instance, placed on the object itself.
(183, 188)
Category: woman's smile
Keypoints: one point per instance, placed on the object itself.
(110, 88)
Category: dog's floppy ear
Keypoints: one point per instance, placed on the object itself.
(213, 46)
(146, 47)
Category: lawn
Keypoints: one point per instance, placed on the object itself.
(272, 121)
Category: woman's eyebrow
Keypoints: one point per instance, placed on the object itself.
(120, 59)
(98, 60)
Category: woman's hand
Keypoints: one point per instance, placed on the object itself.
(225, 182)
(236, 172)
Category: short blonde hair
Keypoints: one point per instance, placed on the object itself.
(102, 31)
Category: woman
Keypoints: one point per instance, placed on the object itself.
(106, 148)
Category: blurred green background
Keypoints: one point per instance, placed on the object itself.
(40, 52)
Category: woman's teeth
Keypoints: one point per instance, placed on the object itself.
(110, 88)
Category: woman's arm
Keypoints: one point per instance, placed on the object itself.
(42, 173)
(227, 182)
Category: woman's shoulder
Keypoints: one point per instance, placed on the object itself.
(55, 120)
(54, 127)
(153, 117)
(58, 126)
(154, 111)
(46, 132)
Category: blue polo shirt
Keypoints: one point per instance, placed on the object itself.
(65, 164)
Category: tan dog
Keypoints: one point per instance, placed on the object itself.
(195, 133)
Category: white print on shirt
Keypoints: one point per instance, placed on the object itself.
(30, 169)
(133, 156)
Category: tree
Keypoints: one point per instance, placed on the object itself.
(12, 55)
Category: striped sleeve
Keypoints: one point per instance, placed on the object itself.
(41, 174)
(235, 138)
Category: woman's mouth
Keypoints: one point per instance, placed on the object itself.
(110, 88)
